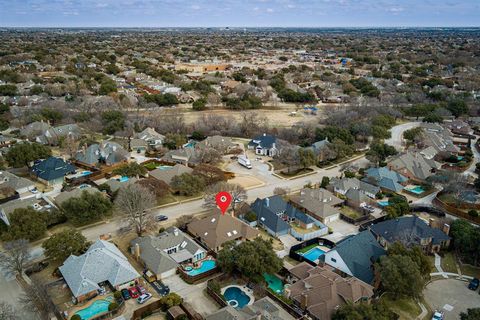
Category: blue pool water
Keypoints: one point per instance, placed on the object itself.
(99, 306)
(123, 179)
(86, 173)
(417, 190)
(206, 265)
(469, 196)
(164, 167)
(313, 254)
(236, 297)
(383, 203)
(190, 145)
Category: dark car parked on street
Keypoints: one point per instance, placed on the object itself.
(474, 283)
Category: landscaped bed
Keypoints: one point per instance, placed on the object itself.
(294, 173)
(351, 213)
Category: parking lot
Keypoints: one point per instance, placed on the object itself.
(452, 296)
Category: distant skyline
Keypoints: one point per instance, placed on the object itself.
(234, 13)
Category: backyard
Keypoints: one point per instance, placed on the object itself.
(351, 213)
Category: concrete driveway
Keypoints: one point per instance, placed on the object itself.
(452, 296)
(193, 294)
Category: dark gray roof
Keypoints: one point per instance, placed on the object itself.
(413, 228)
(265, 141)
(52, 168)
(359, 252)
(274, 208)
(13, 181)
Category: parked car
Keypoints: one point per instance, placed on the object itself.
(37, 267)
(437, 315)
(125, 294)
(134, 292)
(161, 218)
(141, 290)
(143, 298)
(473, 285)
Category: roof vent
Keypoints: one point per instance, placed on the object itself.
(213, 220)
(205, 234)
(229, 234)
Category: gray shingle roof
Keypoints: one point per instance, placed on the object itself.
(167, 175)
(359, 252)
(153, 249)
(10, 180)
(103, 261)
(319, 202)
(412, 227)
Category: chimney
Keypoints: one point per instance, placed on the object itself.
(446, 228)
(304, 301)
(267, 202)
(137, 251)
(175, 232)
(431, 222)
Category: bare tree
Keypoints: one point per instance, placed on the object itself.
(8, 312)
(281, 191)
(16, 256)
(37, 299)
(134, 201)
(184, 220)
(237, 192)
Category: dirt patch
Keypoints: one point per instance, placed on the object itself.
(247, 182)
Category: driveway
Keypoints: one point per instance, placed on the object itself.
(452, 296)
(193, 294)
(397, 134)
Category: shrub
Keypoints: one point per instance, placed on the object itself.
(76, 317)
(117, 295)
(473, 213)
(112, 306)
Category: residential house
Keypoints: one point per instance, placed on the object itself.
(103, 264)
(138, 146)
(219, 143)
(75, 193)
(414, 166)
(54, 135)
(412, 231)
(166, 174)
(279, 217)
(182, 156)
(385, 179)
(341, 186)
(118, 182)
(323, 150)
(153, 138)
(264, 145)
(38, 204)
(356, 255)
(319, 291)
(34, 129)
(162, 254)
(19, 184)
(6, 141)
(216, 229)
(262, 309)
(436, 136)
(105, 153)
(52, 171)
(320, 204)
(459, 127)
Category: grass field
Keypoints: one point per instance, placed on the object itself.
(307, 248)
(448, 262)
(406, 308)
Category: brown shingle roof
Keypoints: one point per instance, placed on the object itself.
(216, 229)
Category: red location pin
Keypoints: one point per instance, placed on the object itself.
(223, 200)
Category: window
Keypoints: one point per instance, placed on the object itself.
(333, 260)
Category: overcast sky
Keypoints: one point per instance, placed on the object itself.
(249, 13)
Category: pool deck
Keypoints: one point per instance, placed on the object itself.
(247, 291)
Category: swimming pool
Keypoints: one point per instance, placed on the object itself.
(416, 190)
(190, 144)
(313, 254)
(236, 297)
(274, 282)
(205, 266)
(164, 167)
(86, 173)
(383, 203)
(123, 179)
(96, 308)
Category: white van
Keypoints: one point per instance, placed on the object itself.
(144, 297)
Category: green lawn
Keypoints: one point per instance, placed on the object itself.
(351, 213)
(448, 262)
(307, 248)
(470, 270)
(151, 166)
(406, 308)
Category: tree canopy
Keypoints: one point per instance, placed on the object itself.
(65, 243)
(87, 208)
(26, 223)
(250, 258)
(188, 184)
(21, 154)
